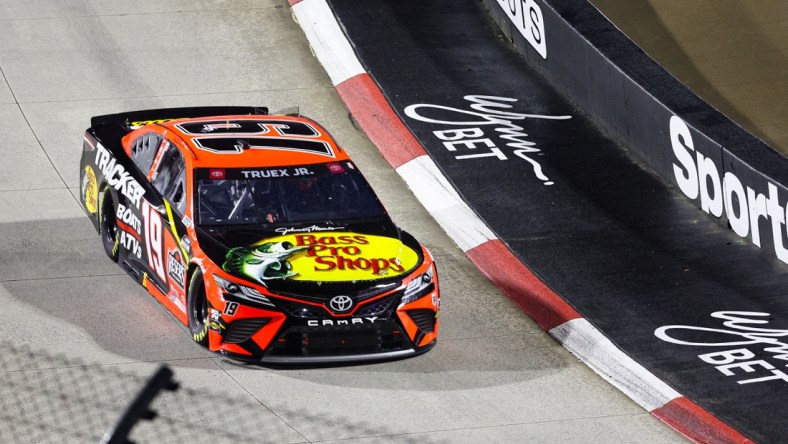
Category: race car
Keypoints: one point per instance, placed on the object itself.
(259, 233)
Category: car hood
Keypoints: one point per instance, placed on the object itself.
(293, 258)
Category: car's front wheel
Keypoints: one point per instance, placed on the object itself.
(198, 309)
(108, 226)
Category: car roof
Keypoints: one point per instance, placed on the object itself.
(244, 141)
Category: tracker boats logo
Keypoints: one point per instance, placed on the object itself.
(738, 347)
(484, 112)
(117, 177)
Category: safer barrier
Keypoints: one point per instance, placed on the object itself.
(727, 172)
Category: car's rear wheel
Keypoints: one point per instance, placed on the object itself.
(198, 309)
(108, 226)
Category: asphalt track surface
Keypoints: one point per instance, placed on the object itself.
(77, 327)
(668, 286)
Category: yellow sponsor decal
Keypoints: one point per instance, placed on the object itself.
(90, 190)
(141, 123)
(338, 256)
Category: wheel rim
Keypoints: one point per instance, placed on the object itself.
(112, 228)
(200, 308)
(109, 226)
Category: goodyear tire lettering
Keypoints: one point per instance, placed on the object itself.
(198, 337)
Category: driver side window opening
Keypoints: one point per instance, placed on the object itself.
(170, 177)
(144, 150)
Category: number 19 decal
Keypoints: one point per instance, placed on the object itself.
(230, 308)
(154, 240)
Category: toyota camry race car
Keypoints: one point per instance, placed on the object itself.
(259, 233)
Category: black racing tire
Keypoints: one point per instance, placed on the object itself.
(197, 309)
(108, 226)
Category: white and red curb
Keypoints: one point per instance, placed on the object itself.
(407, 156)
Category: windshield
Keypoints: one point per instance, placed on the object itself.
(309, 193)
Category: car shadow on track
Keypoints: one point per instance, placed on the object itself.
(64, 294)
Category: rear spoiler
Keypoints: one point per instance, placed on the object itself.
(132, 119)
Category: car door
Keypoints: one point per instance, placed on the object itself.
(131, 215)
(164, 228)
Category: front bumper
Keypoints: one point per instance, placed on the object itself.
(303, 332)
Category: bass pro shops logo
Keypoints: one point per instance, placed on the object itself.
(322, 257)
(90, 190)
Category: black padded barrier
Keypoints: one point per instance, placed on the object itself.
(634, 99)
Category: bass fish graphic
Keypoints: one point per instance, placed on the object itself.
(262, 262)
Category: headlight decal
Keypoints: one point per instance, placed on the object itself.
(242, 291)
(419, 286)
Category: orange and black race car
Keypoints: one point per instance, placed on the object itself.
(259, 233)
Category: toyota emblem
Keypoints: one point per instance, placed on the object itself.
(340, 303)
